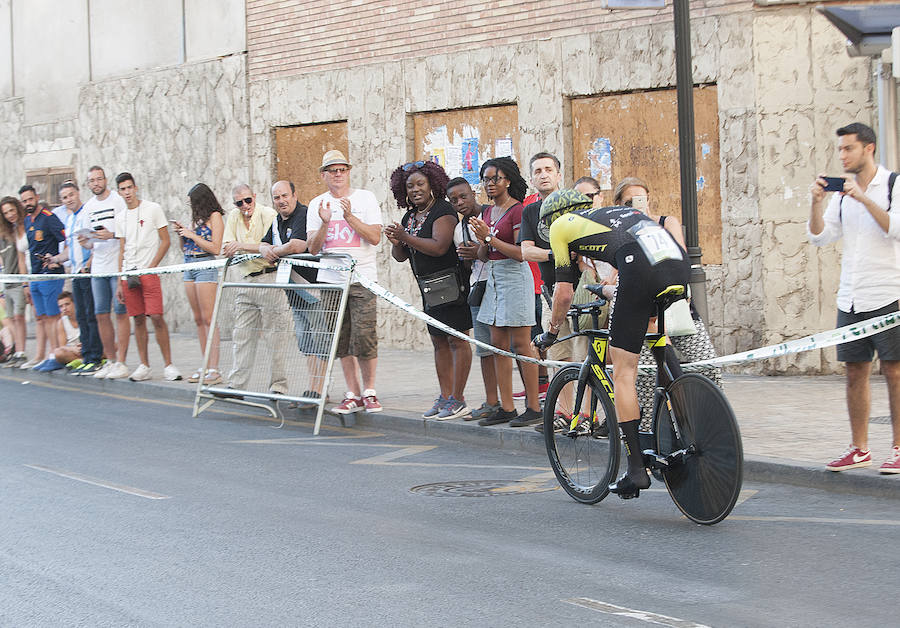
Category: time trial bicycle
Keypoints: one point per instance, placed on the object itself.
(694, 443)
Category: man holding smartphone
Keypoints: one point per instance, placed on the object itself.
(860, 213)
(100, 216)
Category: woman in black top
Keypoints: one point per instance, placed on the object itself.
(425, 238)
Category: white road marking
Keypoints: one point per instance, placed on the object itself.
(621, 611)
(862, 522)
(97, 482)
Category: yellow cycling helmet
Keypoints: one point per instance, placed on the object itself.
(559, 203)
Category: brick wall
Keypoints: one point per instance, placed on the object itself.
(288, 37)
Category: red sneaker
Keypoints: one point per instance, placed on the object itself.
(892, 464)
(542, 392)
(851, 459)
(371, 401)
(349, 405)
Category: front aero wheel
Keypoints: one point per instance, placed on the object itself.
(587, 461)
(705, 487)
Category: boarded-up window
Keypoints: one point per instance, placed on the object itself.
(624, 135)
(46, 182)
(463, 139)
(299, 151)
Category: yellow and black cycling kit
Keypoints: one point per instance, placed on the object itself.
(647, 256)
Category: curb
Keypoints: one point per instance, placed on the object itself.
(765, 469)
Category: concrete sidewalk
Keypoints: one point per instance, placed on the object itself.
(791, 426)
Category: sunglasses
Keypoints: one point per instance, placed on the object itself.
(412, 164)
(591, 195)
(240, 202)
(336, 170)
(495, 179)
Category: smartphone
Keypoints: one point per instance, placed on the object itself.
(640, 203)
(834, 184)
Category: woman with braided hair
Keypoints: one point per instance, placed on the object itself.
(425, 237)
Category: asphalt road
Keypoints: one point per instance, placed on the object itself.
(118, 512)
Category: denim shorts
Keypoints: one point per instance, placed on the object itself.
(482, 332)
(104, 289)
(207, 275)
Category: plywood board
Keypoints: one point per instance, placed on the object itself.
(642, 134)
(463, 139)
(299, 151)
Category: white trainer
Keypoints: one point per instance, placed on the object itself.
(118, 370)
(141, 373)
(104, 370)
(171, 374)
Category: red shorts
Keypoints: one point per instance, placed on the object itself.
(147, 299)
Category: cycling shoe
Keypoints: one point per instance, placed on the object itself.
(627, 488)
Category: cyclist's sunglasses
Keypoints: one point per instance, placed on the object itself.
(240, 202)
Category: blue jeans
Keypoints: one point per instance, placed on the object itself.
(91, 347)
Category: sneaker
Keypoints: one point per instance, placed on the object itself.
(118, 370)
(50, 364)
(29, 364)
(15, 360)
(371, 401)
(851, 459)
(500, 416)
(439, 404)
(141, 373)
(349, 405)
(194, 378)
(87, 369)
(892, 464)
(560, 423)
(542, 392)
(582, 427)
(74, 364)
(482, 412)
(103, 370)
(171, 374)
(453, 409)
(528, 417)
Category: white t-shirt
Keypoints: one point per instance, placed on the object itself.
(103, 213)
(341, 237)
(139, 227)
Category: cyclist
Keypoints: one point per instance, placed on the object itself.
(648, 260)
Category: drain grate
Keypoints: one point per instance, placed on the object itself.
(883, 420)
(480, 488)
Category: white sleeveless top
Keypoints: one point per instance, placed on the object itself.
(73, 336)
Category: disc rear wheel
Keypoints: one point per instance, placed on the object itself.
(706, 486)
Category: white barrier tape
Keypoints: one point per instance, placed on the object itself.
(165, 270)
(390, 297)
(820, 340)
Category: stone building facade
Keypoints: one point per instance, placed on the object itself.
(212, 117)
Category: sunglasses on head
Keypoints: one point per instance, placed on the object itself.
(241, 201)
(412, 164)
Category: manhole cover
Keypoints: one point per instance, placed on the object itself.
(480, 488)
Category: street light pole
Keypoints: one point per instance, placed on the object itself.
(684, 87)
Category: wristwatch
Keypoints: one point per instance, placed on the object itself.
(488, 240)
